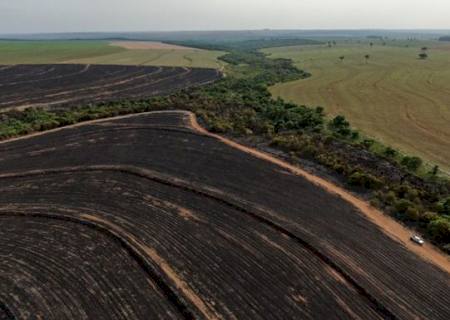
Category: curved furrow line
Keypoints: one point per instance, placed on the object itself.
(108, 85)
(115, 128)
(134, 251)
(16, 73)
(214, 249)
(83, 70)
(75, 91)
(98, 122)
(240, 205)
(130, 82)
(68, 96)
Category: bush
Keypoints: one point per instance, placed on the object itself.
(355, 135)
(365, 180)
(375, 202)
(340, 126)
(439, 229)
(391, 198)
(412, 214)
(220, 126)
(367, 143)
(433, 172)
(412, 163)
(402, 205)
(428, 216)
(389, 152)
(444, 207)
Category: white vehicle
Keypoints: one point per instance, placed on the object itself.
(417, 239)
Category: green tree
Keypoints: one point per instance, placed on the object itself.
(412, 163)
(389, 152)
(423, 56)
(439, 229)
(340, 125)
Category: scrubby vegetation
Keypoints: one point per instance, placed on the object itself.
(241, 105)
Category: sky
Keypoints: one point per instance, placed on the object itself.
(35, 16)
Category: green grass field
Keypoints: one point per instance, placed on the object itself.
(393, 96)
(100, 52)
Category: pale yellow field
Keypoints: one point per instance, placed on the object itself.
(157, 54)
(394, 96)
(102, 52)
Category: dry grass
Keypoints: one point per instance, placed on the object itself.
(394, 96)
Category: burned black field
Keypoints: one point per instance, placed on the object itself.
(144, 217)
(23, 86)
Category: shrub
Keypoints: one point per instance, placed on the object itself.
(445, 207)
(428, 216)
(365, 180)
(389, 152)
(340, 126)
(391, 198)
(439, 229)
(411, 194)
(355, 135)
(434, 171)
(375, 202)
(402, 205)
(412, 163)
(367, 143)
(412, 214)
(220, 126)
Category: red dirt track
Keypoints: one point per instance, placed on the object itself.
(145, 217)
(23, 86)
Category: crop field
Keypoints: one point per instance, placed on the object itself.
(23, 86)
(148, 216)
(104, 52)
(393, 96)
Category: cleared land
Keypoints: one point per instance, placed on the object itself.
(206, 223)
(102, 52)
(147, 45)
(159, 57)
(393, 96)
(23, 86)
